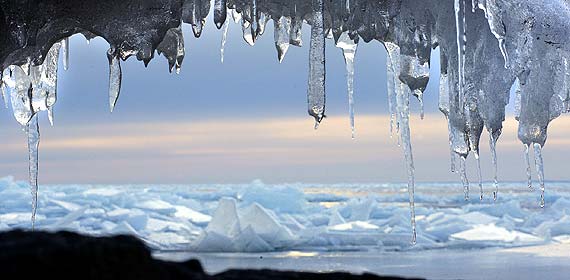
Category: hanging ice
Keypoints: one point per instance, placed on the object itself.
(539, 170)
(316, 88)
(348, 47)
(172, 47)
(220, 13)
(224, 38)
(461, 43)
(115, 77)
(65, 50)
(33, 132)
(281, 36)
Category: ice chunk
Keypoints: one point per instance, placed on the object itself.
(265, 224)
(225, 221)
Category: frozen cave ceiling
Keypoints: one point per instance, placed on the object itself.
(486, 47)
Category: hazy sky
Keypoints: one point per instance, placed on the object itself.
(242, 120)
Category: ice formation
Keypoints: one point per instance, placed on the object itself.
(485, 47)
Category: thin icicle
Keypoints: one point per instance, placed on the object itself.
(463, 174)
(403, 114)
(349, 47)
(3, 90)
(492, 147)
(495, 20)
(224, 38)
(316, 89)
(480, 176)
(392, 50)
(33, 132)
(528, 170)
(115, 77)
(65, 50)
(461, 41)
(539, 170)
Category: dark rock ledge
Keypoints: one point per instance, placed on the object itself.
(68, 255)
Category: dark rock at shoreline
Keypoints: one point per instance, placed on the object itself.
(68, 255)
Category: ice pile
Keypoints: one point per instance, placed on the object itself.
(487, 47)
(246, 218)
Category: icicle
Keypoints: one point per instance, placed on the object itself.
(463, 174)
(539, 170)
(115, 77)
(528, 170)
(474, 4)
(20, 89)
(247, 36)
(492, 147)
(349, 47)
(402, 93)
(461, 42)
(495, 20)
(65, 50)
(479, 175)
(393, 51)
(281, 36)
(295, 35)
(224, 38)
(33, 132)
(3, 90)
(220, 13)
(316, 88)
(255, 30)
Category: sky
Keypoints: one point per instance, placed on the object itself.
(242, 120)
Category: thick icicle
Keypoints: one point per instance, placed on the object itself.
(33, 132)
(220, 13)
(316, 88)
(528, 169)
(115, 77)
(539, 170)
(281, 35)
(495, 20)
(65, 50)
(461, 42)
(349, 47)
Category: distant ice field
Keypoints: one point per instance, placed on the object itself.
(258, 217)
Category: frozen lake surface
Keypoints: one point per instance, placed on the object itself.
(537, 262)
(353, 227)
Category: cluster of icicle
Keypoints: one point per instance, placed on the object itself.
(467, 103)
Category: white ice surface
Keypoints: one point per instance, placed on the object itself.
(257, 217)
